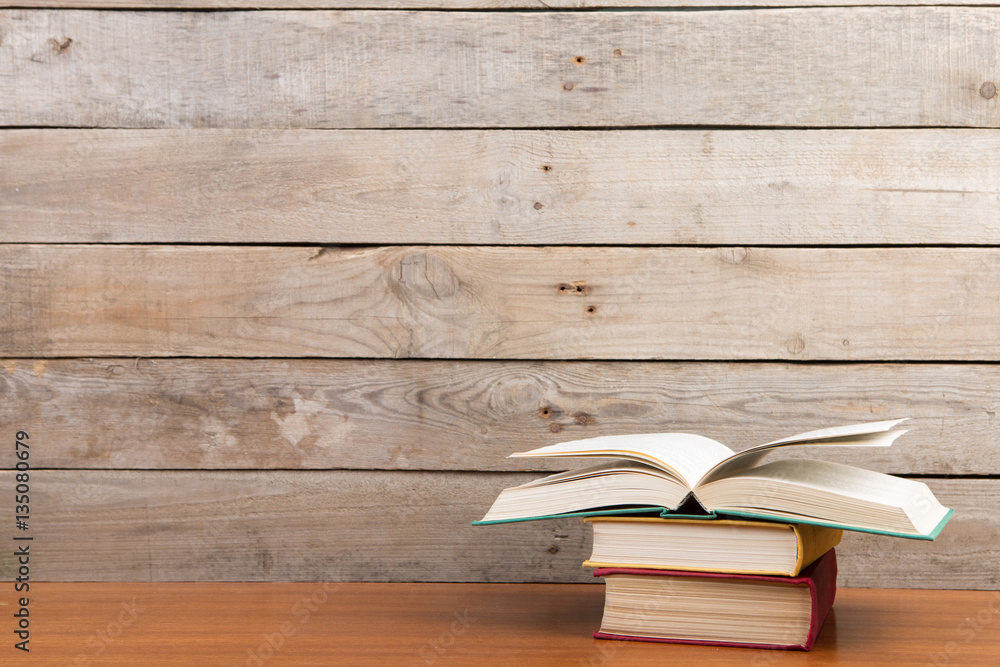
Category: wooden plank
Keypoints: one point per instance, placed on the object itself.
(452, 4)
(843, 67)
(317, 624)
(450, 415)
(510, 187)
(499, 302)
(393, 526)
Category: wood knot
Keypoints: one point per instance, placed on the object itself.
(60, 47)
(734, 255)
(567, 86)
(617, 53)
(988, 90)
(553, 549)
(426, 275)
(579, 60)
(325, 250)
(795, 345)
(578, 287)
(555, 428)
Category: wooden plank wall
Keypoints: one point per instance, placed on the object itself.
(280, 290)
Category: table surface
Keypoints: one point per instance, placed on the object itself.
(256, 624)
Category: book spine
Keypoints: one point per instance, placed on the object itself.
(813, 542)
(823, 590)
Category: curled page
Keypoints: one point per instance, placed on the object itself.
(872, 434)
(685, 456)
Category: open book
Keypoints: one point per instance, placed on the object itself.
(683, 474)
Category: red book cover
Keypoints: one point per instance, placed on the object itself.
(820, 578)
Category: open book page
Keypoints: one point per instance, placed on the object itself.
(687, 457)
(614, 483)
(831, 492)
(599, 469)
(872, 434)
(836, 432)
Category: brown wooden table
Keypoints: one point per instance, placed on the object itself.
(451, 624)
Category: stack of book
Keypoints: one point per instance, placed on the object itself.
(746, 583)
(698, 544)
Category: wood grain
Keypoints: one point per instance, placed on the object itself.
(496, 302)
(451, 4)
(508, 187)
(826, 67)
(393, 526)
(469, 415)
(367, 624)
